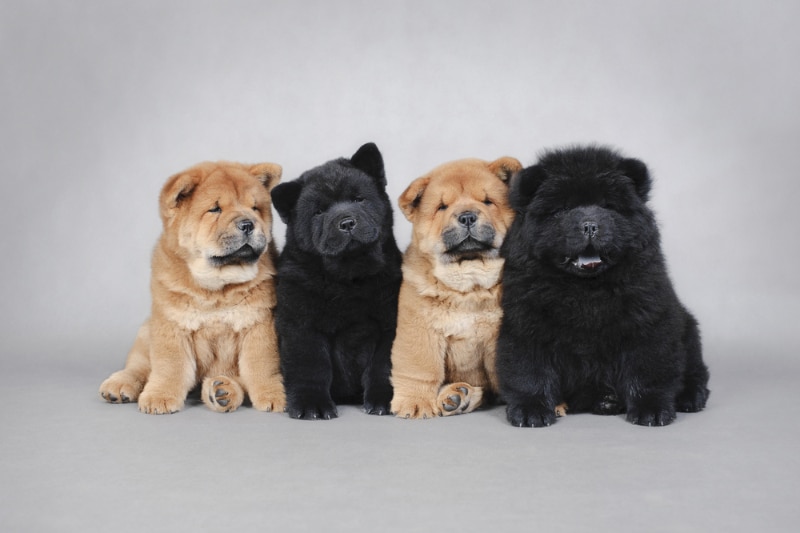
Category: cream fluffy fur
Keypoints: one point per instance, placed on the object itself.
(209, 324)
(449, 310)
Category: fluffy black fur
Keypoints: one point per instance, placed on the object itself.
(590, 315)
(337, 285)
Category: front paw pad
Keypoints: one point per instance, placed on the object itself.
(222, 394)
(458, 398)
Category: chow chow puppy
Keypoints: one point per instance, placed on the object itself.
(338, 279)
(213, 296)
(590, 315)
(449, 310)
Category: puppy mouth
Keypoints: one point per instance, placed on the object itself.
(242, 256)
(588, 262)
(468, 249)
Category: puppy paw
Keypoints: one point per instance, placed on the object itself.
(531, 415)
(377, 408)
(222, 394)
(378, 401)
(156, 403)
(269, 401)
(311, 407)
(414, 408)
(651, 414)
(692, 399)
(608, 405)
(121, 388)
(459, 398)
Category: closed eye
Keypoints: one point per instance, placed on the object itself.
(442, 207)
(488, 201)
(215, 209)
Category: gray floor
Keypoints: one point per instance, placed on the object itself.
(73, 463)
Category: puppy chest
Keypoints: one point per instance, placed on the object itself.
(235, 318)
(216, 349)
(467, 324)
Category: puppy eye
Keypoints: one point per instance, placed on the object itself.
(488, 202)
(358, 199)
(215, 209)
(442, 207)
(256, 209)
(318, 212)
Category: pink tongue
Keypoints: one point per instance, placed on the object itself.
(589, 261)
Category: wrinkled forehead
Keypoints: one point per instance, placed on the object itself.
(232, 184)
(477, 184)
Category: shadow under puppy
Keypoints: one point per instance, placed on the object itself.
(590, 316)
(213, 293)
(449, 309)
(338, 280)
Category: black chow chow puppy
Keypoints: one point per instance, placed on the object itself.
(338, 282)
(590, 315)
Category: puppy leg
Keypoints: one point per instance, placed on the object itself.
(308, 374)
(222, 394)
(376, 379)
(694, 393)
(125, 385)
(173, 372)
(260, 368)
(417, 366)
(459, 398)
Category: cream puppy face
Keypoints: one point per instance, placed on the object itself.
(460, 210)
(218, 218)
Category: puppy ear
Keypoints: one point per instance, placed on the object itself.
(524, 185)
(177, 190)
(269, 174)
(505, 167)
(412, 196)
(284, 198)
(637, 171)
(368, 159)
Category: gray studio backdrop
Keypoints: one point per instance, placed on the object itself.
(102, 101)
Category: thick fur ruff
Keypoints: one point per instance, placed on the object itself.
(590, 315)
(449, 310)
(339, 277)
(213, 297)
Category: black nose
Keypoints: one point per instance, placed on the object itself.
(467, 219)
(590, 228)
(347, 224)
(246, 226)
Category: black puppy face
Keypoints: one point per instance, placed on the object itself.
(338, 207)
(338, 212)
(584, 209)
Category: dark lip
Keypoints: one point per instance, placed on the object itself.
(242, 256)
(469, 248)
